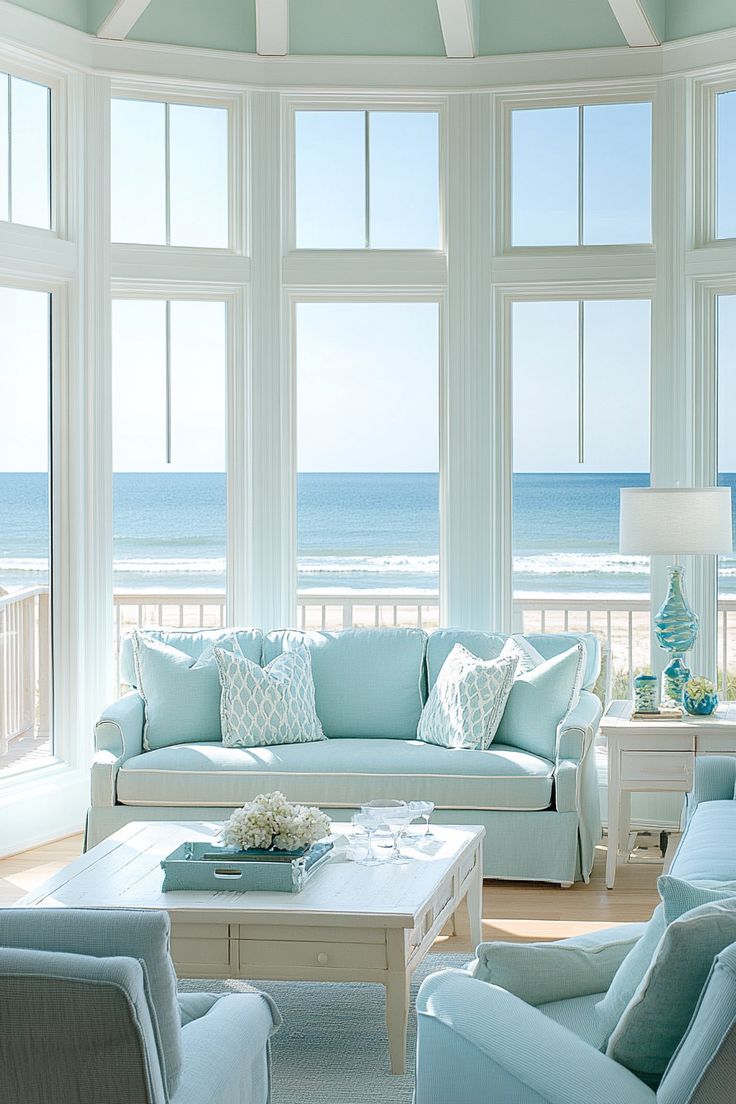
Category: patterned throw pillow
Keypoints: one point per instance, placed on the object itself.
(267, 705)
(527, 655)
(467, 701)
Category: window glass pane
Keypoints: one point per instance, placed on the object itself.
(617, 161)
(726, 353)
(30, 157)
(4, 166)
(726, 165)
(565, 513)
(169, 519)
(330, 179)
(368, 429)
(138, 172)
(199, 174)
(404, 180)
(25, 531)
(544, 188)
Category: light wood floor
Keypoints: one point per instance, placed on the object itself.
(518, 911)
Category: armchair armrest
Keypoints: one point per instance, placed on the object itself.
(538, 973)
(715, 780)
(118, 736)
(478, 1044)
(576, 731)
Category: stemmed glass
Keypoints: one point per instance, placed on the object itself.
(423, 809)
(395, 815)
(368, 822)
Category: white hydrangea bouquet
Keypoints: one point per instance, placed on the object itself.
(271, 823)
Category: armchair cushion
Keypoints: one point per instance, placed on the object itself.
(658, 1015)
(136, 933)
(540, 973)
(539, 700)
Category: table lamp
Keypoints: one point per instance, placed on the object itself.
(675, 521)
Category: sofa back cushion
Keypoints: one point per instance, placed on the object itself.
(538, 702)
(488, 645)
(191, 641)
(368, 682)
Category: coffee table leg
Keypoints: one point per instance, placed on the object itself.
(475, 904)
(397, 1017)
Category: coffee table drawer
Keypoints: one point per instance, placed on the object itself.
(201, 946)
(284, 953)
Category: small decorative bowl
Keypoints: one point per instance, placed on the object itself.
(703, 707)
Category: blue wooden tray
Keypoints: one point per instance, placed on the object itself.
(205, 866)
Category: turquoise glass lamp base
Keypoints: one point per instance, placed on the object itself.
(676, 629)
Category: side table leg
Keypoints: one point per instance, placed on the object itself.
(397, 1017)
(614, 796)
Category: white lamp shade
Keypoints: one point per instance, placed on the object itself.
(675, 521)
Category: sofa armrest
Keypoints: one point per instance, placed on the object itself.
(577, 730)
(118, 736)
(478, 1044)
(538, 973)
(715, 780)
(120, 728)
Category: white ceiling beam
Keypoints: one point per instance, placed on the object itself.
(459, 22)
(121, 18)
(272, 27)
(634, 20)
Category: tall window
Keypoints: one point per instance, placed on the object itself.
(25, 531)
(169, 174)
(581, 175)
(169, 460)
(581, 433)
(25, 152)
(726, 353)
(367, 179)
(726, 165)
(367, 419)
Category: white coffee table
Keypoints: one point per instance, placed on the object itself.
(350, 922)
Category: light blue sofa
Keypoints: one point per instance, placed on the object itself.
(541, 812)
(89, 1015)
(480, 1043)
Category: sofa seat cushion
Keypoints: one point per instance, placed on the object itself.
(707, 851)
(338, 773)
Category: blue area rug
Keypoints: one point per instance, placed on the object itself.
(332, 1047)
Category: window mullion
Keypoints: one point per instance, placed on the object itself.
(581, 381)
(168, 381)
(581, 174)
(167, 170)
(367, 170)
(10, 148)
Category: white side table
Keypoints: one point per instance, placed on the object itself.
(657, 755)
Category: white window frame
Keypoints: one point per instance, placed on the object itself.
(609, 94)
(338, 295)
(429, 104)
(166, 92)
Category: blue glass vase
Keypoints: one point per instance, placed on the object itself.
(676, 629)
(703, 707)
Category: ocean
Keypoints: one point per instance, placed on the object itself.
(356, 531)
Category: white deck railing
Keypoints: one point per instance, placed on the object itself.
(24, 664)
(622, 622)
